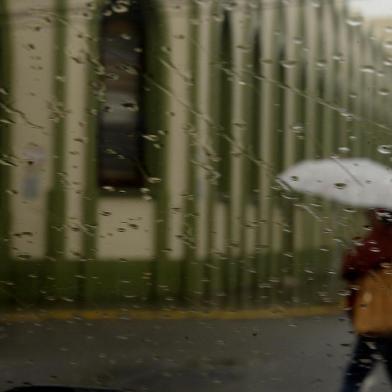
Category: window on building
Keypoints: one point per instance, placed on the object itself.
(120, 146)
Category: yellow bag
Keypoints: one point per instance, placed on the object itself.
(372, 313)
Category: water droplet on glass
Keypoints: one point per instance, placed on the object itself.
(387, 62)
(344, 149)
(338, 57)
(132, 106)
(340, 185)
(384, 91)
(357, 21)
(4, 162)
(298, 40)
(385, 149)
(368, 69)
(388, 44)
(151, 137)
(297, 128)
(120, 7)
(154, 180)
(289, 63)
(346, 114)
(109, 188)
(321, 64)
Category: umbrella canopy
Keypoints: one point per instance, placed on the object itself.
(355, 182)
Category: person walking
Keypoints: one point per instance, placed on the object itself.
(371, 254)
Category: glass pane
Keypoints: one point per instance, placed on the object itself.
(195, 195)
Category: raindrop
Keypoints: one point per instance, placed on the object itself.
(6, 121)
(80, 139)
(298, 40)
(354, 22)
(4, 162)
(338, 57)
(367, 69)
(77, 60)
(297, 128)
(289, 63)
(294, 178)
(109, 188)
(384, 91)
(150, 137)
(346, 114)
(385, 149)
(120, 8)
(321, 64)
(340, 185)
(154, 180)
(132, 106)
(388, 44)
(344, 150)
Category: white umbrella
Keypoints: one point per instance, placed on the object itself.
(355, 182)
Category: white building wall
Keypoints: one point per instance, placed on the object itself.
(32, 94)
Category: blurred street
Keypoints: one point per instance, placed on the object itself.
(299, 354)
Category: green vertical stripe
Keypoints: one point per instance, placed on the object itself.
(256, 94)
(225, 136)
(224, 131)
(5, 143)
(211, 285)
(56, 211)
(278, 145)
(90, 192)
(157, 103)
(56, 198)
(188, 265)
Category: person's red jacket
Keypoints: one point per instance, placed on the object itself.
(369, 254)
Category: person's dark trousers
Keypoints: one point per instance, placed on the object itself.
(367, 351)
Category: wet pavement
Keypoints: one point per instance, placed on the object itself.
(299, 354)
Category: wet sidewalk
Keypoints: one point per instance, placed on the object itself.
(288, 354)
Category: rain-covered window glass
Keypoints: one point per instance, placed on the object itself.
(195, 194)
(121, 153)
